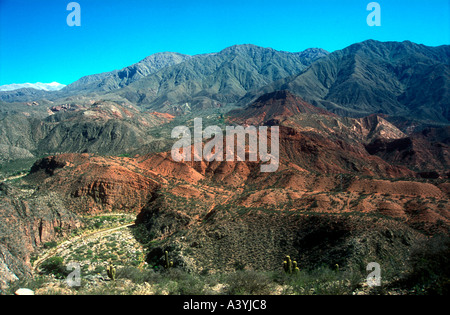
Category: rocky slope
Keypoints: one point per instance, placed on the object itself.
(393, 78)
(27, 222)
(218, 217)
(348, 191)
(213, 80)
(100, 127)
(347, 203)
(314, 137)
(119, 78)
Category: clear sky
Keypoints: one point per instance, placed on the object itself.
(37, 45)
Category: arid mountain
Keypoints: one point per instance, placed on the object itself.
(222, 214)
(102, 127)
(101, 82)
(371, 136)
(213, 80)
(26, 95)
(397, 79)
(279, 104)
(393, 78)
(72, 120)
(113, 80)
(362, 175)
(223, 77)
(217, 215)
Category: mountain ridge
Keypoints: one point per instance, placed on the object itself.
(213, 79)
(101, 83)
(375, 77)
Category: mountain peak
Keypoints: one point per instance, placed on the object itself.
(165, 55)
(286, 102)
(243, 48)
(275, 105)
(312, 53)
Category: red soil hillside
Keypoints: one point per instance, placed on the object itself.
(275, 105)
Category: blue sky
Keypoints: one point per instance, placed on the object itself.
(37, 45)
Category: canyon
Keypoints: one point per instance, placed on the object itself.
(362, 176)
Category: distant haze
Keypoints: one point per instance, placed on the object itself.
(54, 86)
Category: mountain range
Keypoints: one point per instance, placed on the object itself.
(54, 86)
(392, 78)
(389, 78)
(406, 83)
(364, 157)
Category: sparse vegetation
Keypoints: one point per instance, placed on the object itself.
(430, 267)
(132, 280)
(54, 266)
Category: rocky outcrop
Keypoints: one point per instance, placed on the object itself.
(27, 225)
(92, 184)
(423, 151)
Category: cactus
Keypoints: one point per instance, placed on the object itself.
(295, 268)
(290, 267)
(168, 264)
(111, 271)
(141, 260)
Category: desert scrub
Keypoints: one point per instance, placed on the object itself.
(172, 281)
(429, 265)
(106, 221)
(51, 244)
(245, 282)
(321, 281)
(31, 283)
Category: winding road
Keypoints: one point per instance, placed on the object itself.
(60, 247)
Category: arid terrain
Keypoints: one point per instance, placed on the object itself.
(89, 176)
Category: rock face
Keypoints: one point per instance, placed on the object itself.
(27, 225)
(421, 151)
(11, 268)
(101, 184)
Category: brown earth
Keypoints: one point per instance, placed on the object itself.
(330, 202)
(26, 225)
(213, 216)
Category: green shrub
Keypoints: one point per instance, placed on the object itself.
(321, 281)
(249, 283)
(430, 266)
(55, 266)
(179, 282)
(52, 244)
(98, 225)
(138, 276)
